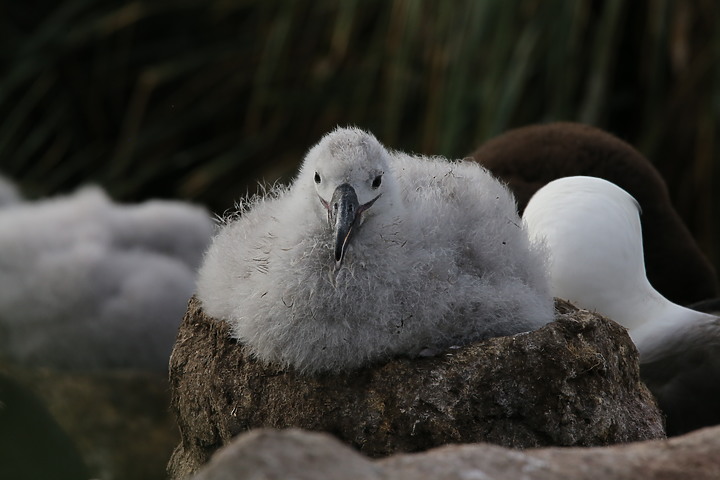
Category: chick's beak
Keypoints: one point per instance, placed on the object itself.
(344, 216)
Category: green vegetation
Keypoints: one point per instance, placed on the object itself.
(198, 99)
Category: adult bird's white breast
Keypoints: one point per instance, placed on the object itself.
(591, 230)
(372, 253)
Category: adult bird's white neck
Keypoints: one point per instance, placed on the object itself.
(592, 234)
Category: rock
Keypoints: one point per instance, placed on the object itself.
(292, 454)
(527, 158)
(572, 382)
(267, 454)
(119, 420)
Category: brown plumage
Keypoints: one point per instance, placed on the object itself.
(527, 158)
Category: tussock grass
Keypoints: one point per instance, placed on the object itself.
(199, 98)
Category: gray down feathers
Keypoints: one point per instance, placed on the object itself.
(88, 284)
(441, 259)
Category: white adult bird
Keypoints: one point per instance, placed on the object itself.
(371, 254)
(591, 229)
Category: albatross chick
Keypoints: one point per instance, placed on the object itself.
(370, 254)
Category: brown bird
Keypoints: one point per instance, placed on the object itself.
(528, 158)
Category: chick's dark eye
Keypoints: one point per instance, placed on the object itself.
(317, 178)
(378, 180)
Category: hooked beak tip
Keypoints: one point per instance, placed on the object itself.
(344, 214)
(341, 247)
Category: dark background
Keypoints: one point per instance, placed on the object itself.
(200, 99)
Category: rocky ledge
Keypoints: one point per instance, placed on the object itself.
(307, 455)
(574, 382)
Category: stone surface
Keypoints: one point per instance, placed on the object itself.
(300, 455)
(119, 420)
(573, 382)
(288, 454)
(529, 157)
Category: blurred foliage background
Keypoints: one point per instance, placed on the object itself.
(199, 99)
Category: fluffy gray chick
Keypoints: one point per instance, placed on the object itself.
(371, 254)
